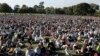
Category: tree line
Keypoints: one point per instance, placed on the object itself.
(79, 9)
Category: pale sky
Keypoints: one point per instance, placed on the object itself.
(48, 3)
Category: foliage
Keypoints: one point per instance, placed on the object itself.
(5, 8)
(79, 9)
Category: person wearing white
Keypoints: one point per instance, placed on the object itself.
(66, 52)
(29, 52)
(17, 51)
(37, 50)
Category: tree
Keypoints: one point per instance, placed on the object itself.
(59, 11)
(30, 10)
(83, 9)
(68, 10)
(41, 7)
(97, 13)
(50, 10)
(79, 9)
(36, 9)
(24, 9)
(5, 8)
(94, 6)
(16, 8)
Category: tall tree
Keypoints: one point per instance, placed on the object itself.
(50, 10)
(83, 9)
(5, 8)
(68, 10)
(24, 9)
(30, 10)
(36, 9)
(59, 11)
(16, 8)
(94, 6)
(41, 7)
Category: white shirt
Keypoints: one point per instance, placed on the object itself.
(37, 50)
(91, 39)
(17, 49)
(95, 32)
(66, 52)
(29, 52)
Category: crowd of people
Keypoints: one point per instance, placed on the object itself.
(74, 34)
